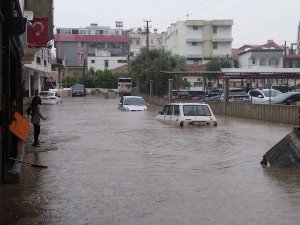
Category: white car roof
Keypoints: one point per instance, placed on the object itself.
(186, 103)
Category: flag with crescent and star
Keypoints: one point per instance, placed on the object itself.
(37, 32)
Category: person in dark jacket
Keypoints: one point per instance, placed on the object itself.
(36, 119)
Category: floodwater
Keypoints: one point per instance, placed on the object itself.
(107, 167)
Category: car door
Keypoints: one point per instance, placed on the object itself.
(256, 96)
(166, 114)
(176, 114)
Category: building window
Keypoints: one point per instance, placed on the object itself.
(45, 62)
(215, 29)
(215, 45)
(106, 63)
(198, 84)
(194, 43)
(262, 62)
(122, 61)
(276, 62)
(93, 61)
(253, 61)
(195, 27)
(38, 60)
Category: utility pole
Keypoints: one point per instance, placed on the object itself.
(147, 33)
(147, 56)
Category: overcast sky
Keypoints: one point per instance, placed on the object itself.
(254, 21)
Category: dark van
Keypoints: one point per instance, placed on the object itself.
(78, 90)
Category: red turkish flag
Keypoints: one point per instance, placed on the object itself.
(37, 34)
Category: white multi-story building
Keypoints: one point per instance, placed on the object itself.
(261, 56)
(105, 62)
(199, 40)
(38, 72)
(138, 40)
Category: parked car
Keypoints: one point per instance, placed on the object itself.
(78, 90)
(259, 96)
(189, 95)
(287, 98)
(132, 103)
(281, 88)
(235, 95)
(50, 97)
(187, 115)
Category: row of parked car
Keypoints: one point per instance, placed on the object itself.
(255, 96)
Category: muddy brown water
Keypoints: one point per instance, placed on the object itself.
(125, 168)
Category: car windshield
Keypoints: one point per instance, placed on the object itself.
(271, 92)
(196, 110)
(46, 93)
(78, 87)
(134, 101)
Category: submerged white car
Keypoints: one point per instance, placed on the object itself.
(50, 97)
(132, 103)
(188, 115)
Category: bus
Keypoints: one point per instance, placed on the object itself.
(124, 86)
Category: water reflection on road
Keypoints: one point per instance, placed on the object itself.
(111, 167)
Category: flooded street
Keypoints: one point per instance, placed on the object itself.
(107, 167)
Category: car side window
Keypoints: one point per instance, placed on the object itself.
(166, 110)
(254, 93)
(170, 112)
(176, 110)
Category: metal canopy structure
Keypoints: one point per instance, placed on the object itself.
(262, 73)
(240, 73)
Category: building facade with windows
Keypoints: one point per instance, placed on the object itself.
(261, 56)
(37, 73)
(199, 40)
(105, 62)
(138, 40)
(75, 45)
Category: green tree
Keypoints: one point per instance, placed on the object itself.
(217, 64)
(72, 79)
(148, 66)
(104, 79)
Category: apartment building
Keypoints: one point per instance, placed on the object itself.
(138, 40)
(269, 54)
(75, 45)
(37, 73)
(199, 40)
